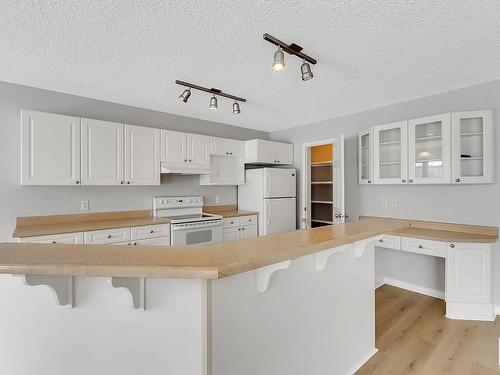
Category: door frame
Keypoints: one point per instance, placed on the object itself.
(306, 178)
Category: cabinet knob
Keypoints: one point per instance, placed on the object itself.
(420, 246)
(457, 180)
(190, 160)
(369, 181)
(77, 182)
(239, 229)
(135, 243)
(128, 182)
(243, 228)
(346, 216)
(278, 161)
(381, 240)
(410, 181)
(54, 242)
(151, 231)
(185, 160)
(403, 181)
(121, 182)
(109, 236)
(230, 153)
(452, 245)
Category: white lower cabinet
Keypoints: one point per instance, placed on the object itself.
(150, 231)
(468, 273)
(65, 238)
(240, 228)
(159, 241)
(107, 236)
(390, 242)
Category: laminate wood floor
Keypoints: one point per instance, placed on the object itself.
(414, 337)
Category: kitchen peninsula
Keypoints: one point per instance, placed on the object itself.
(217, 308)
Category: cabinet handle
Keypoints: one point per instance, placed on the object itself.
(457, 180)
(403, 181)
(420, 246)
(109, 236)
(381, 240)
(452, 245)
(410, 181)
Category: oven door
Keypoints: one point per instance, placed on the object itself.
(196, 236)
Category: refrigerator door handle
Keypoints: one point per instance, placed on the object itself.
(268, 183)
(268, 212)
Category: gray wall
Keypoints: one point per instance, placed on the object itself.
(472, 204)
(16, 200)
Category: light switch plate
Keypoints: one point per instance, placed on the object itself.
(385, 203)
(84, 205)
(217, 199)
(394, 203)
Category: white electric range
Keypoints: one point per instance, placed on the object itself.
(188, 224)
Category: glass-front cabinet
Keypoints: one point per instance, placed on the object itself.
(390, 152)
(429, 150)
(365, 157)
(472, 145)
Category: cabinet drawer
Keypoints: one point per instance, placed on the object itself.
(427, 247)
(65, 238)
(107, 236)
(158, 241)
(390, 242)
(248, 220)
(150, 231)
(231, 222)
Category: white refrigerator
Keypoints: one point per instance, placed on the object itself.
(271, 192)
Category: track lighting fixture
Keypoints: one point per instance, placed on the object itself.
(305, 69)
(236, 108)
(279, 60)
(185, 95)
(292, 49)
(213, 100)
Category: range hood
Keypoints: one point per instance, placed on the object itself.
(183, 168)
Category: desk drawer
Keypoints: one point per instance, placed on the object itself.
(107, 236)
(390, 242)
(420, 246)
(150, 231)
(231, 222)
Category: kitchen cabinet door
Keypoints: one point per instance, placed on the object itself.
(102, 153)
(173, 146)
(236, 148)
(429, 150)
(266, 152)
(472, 147)
(365, 157)
(232, 234)
(248, 232)
(142, 155)
(390, 164)
(284, 153)
(50, 149)
(468, 273)
(218, 146)
(198, 148)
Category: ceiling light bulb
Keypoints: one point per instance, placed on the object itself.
(279, 60)
(305, 69)
(185, 95)
(236, 108)
(213, 103)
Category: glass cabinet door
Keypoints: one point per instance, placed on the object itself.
(472, 147)
(429, 156)
(365, 157)
(390, 153)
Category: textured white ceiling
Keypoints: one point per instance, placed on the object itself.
(371, 53)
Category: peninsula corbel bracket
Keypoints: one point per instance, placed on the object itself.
(321, 258)
(62, 286)
(263, 275)
(359, 247)
(137, 288)
(217, 92)
(292, 49)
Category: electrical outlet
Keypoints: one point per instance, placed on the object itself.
(84, 205)
(394, 203)
(385, 203)
(217, 199)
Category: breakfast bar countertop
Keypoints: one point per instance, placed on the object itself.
(218, 260)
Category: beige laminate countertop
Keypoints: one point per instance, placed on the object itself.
(234, 213)
(219, 260)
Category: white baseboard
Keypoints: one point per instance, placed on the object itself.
(379, 283)
(413, 287)
(497, 310)
(365, 359)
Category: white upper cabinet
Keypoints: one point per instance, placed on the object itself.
(260, 151)
(390, 165)
(102, 153)
(472, 147)
(365, 157)
(173, 146)
(50, 149)
(142, 155)
(197, 149)
(429, 150)
(227, 147)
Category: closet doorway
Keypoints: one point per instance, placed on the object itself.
(323, 183)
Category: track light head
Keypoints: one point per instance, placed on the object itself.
(306, 71)
(236, 108)
(279, 60)
(213, 102)
(185, 95)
